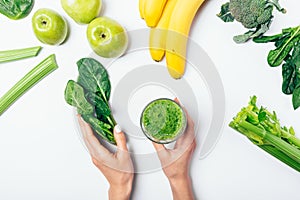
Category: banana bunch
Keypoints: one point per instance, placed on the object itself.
(170, 22)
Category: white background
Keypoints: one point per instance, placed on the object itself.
(41, 155)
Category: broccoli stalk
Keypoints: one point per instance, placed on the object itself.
(255, 15)
(275, 3)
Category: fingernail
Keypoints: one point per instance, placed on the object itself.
(118, 129)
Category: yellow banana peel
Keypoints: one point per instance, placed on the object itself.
(179, 27)
(141, 8)
(158, 35)
(153, 10)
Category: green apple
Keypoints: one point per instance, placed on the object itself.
(82, 11)
(49, 27)
(107, 37)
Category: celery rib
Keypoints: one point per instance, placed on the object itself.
(269, 138)
(17, 54)
(30, 79)
(281, 156)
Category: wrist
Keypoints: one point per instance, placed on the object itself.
(120, 192)
(178, 177)
(182, 188)
(179, 180)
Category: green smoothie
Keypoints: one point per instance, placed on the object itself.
(163, 120)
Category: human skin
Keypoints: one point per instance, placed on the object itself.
(176, 162)
(116, 167)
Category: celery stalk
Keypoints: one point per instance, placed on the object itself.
(17, 54)
(275, 141)
(281, 156)
(30, 79)
(264, 130)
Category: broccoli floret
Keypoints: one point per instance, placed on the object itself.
(252, 14)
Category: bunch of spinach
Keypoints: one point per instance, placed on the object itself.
(16, 9)
(287, 51)
(90, 95)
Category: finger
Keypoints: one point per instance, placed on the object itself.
(194, 145)
(189, 135)
(176, 100)
(120, 138)
(179, 141)
(95, 148)
(190, 123)
(159, 147)
(84, 127)
(85, 130)
(161, 151)
(190, 126)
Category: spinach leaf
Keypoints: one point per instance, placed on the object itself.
(101, 108)
(296, 55)
(265, 39)
(283, 47)
(289, 30)
(16, 9)
(277, 56)
(296, 61)
(94, 77)
(296, 98)
(90, 96)
(287, 51)
(101, 128)
(290, 78)
(74, 96)
(281, 41)
(290, 71)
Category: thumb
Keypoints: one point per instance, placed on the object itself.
(177, 100)
(120, 138)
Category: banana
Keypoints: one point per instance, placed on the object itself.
(141, 8)
(179, 27)
(158, 35)
(153, 9)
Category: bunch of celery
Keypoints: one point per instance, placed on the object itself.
(263, 129)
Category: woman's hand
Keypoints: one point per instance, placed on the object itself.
(116, 167)
(176, 162)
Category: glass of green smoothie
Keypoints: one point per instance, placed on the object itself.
(163, 121)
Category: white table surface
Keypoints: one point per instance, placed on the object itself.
(42, 157)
